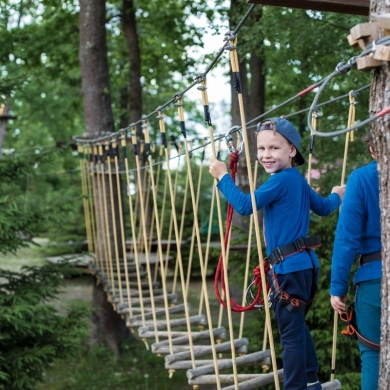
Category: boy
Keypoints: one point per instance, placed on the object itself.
(359, 232)
(287, 200)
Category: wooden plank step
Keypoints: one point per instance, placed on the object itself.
(240, 346)
(172, 310)
(223, 379)
(133, 294)
(162, 325)
(251, 358)
(123, 307)
(205, 335)
(187, 364)
(162, 333)
(254, 384)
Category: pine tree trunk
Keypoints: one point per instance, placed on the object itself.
(107, 325)
(94, 68)
(380, 99)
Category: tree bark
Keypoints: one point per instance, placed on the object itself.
(107, 325)
(253, 95)
(130, 30)
(380, 99)
(4, 110)
(95, 83)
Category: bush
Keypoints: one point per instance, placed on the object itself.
(33, 334)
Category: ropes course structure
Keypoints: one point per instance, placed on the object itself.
(137, 245)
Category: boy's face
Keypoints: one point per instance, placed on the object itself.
(274, 152)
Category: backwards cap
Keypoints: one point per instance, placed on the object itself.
(287, 130)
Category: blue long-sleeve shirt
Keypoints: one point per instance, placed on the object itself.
(287, 200)
(358, 230)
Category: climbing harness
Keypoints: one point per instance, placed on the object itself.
(299, 245)
(375, 256)
(349, 317)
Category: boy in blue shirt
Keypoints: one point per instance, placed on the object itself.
(287, 199)
(359, 232)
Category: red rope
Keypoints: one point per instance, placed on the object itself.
(219, 275)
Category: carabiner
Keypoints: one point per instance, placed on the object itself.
(229, 139)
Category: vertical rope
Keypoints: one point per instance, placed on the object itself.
(121, 224)
(159, 247)
(176, 228)
(236, 76)
(314, 124)
(143, 223)
(106, 223)
(109, 150)
(133, 236)
(208, 241)
(84, 196)
(99, 216)
(348, 136)
(247, 263)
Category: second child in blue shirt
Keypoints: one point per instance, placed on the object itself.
(287, 199)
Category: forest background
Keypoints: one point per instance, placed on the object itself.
(281, 52)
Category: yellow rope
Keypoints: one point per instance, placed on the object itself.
(143, 223)
(133, 237)
(176, 229)
(235, 68)
(348, 136)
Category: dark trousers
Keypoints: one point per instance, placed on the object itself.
(300, 362)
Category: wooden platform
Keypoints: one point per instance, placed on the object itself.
(352, 7)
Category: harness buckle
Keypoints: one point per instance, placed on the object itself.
(279, 255)
(299, 244)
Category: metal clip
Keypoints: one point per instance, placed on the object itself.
(229, 139)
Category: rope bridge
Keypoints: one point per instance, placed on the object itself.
(137, 218)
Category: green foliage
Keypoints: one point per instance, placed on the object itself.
(98, 369)
(33, 335)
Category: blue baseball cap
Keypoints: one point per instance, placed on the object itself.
(287, 130)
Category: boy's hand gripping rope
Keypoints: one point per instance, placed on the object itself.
(219, 276)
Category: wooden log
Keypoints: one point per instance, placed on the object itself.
(383, 21)
(382, 53)
(123, 308)
(364, 30)
(223, 379)
(162, 333)
(240, 361)
(351, 7)
(239, 345)
(162, 325)
(260, 381)
(367, 63)
(219, 332)
(133, 294)
(187, 364)
(358, 43)
(171, 310)
(334, 385)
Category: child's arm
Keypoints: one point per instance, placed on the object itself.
(217, 169)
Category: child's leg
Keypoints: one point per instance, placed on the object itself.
(299, 356)
(368, 317)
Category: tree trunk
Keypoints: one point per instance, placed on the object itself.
(135, 94)
(130, 30)
(95, 83)
(380, 99)
(107, 324)
(253, 95)
(4, 109)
